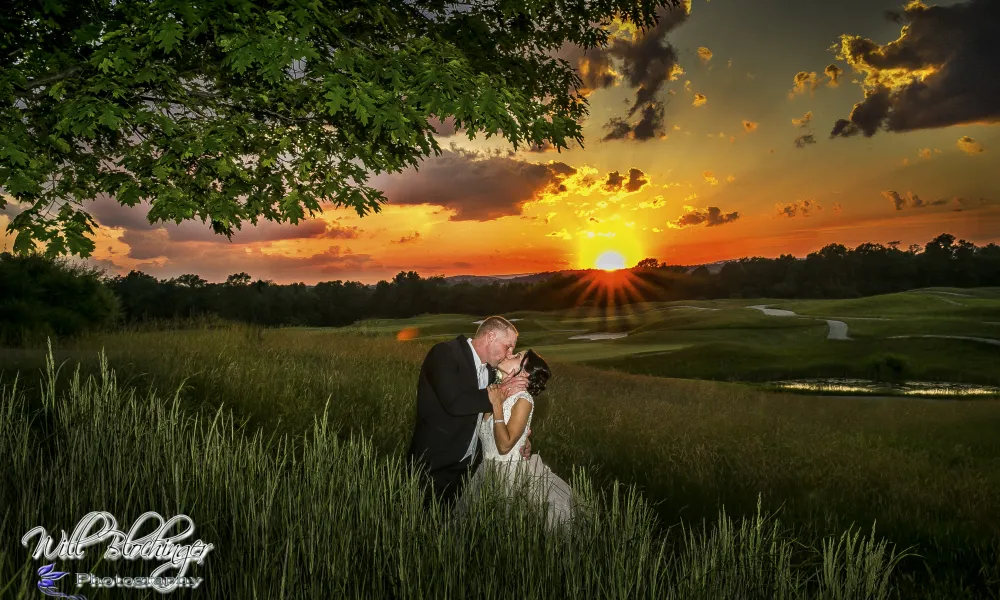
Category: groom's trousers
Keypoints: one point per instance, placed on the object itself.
(448, 481)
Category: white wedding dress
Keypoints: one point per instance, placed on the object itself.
(518, 475)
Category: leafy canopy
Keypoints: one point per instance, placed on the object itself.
(230, 111)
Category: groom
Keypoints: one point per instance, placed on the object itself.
(452, 394)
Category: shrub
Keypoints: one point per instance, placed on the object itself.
(890, 368)
(42, 297)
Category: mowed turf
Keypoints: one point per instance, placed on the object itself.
(726, 340)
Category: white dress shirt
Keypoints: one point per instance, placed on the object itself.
(484, 380)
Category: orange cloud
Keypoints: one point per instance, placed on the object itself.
(833, 73)
(710, 217)
(799, 208)
(656, 202)
(803, 82)
(969, 145)
(408, 239)
(804, 121)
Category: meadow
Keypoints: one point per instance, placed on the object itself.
(286, 447)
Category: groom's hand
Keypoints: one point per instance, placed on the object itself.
(526, 448)
(513, 385)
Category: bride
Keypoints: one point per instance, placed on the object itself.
(503, 433)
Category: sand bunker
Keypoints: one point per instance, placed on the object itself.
(773, 312)
(593, 337)
(837, 329)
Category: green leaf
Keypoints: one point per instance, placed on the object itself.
(109, 119)
(335, 100)
(168, 35)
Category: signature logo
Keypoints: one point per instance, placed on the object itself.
(99, 527)
(48, 576)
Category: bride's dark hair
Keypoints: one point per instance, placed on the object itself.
(537, 370)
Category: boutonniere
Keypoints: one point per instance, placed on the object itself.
(497, 376)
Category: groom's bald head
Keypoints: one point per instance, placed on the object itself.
(495, 340)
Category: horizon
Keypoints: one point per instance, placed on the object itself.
(902, 247)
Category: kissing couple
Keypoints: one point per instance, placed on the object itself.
(475, 400)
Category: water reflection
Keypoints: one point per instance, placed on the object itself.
(910, 388)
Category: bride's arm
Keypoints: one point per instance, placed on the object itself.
(506, 434)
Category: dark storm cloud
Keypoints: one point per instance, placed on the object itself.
(595, 69)
(109, 213)
(264, 231)
(635, 181)
(649, 125)
(940, 72)
(614, 181)
(645, 62)
(649, 60)
(804, 140)
(710, 217)
(478, 187)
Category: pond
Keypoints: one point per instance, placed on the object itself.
(909, 388)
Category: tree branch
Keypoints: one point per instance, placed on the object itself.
(41, 81)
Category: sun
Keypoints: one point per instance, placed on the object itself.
(610, 261)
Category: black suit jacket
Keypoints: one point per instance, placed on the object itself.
(449, 403)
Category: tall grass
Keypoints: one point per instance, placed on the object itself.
(927, 472)
(327, 516)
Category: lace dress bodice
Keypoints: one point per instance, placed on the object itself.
(487, 441)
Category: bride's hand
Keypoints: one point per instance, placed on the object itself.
(497, 395)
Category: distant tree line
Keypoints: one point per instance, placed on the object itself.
(36, 295)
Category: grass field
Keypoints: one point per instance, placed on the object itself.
(724, 340)
(343, 517)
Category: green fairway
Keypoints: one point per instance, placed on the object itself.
(727, 340)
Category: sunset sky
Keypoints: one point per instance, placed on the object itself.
(741, 163)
